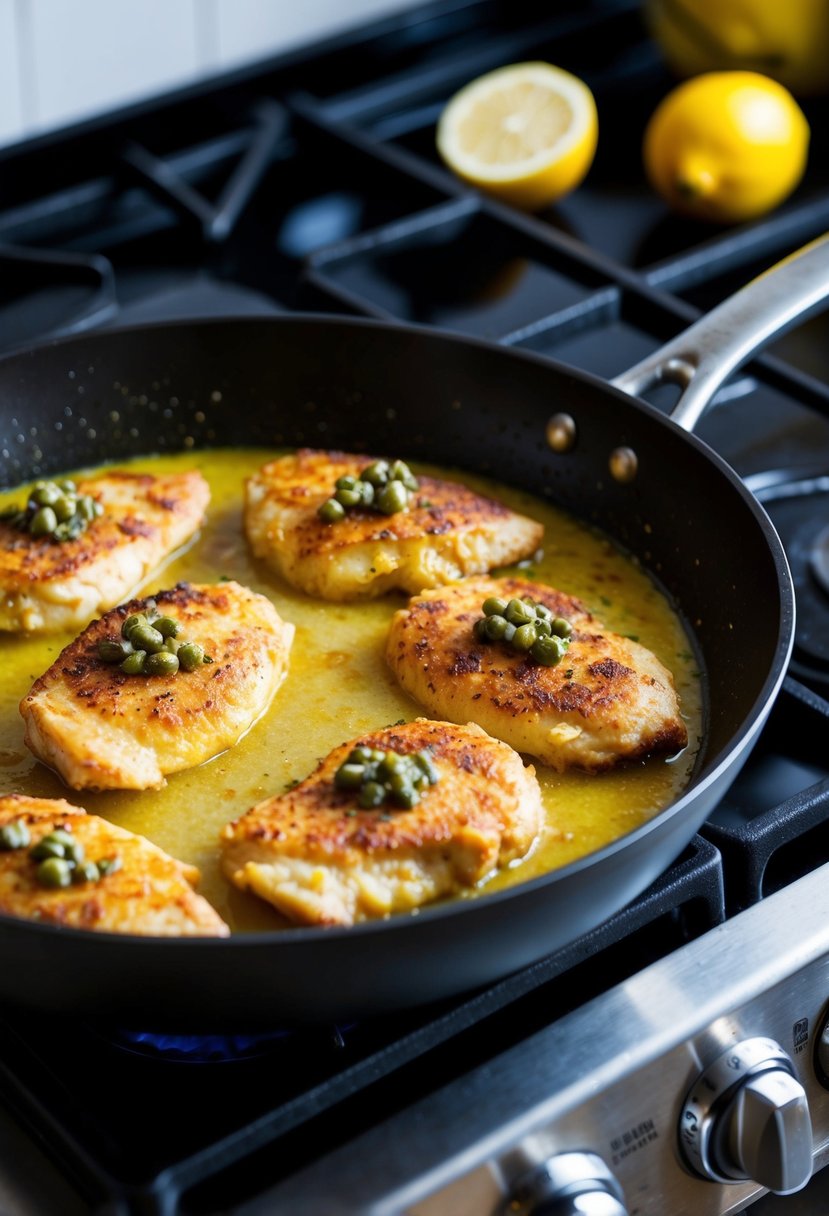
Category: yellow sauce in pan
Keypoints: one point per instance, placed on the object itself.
(338, 686)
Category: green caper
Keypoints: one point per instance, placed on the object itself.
(495, 627)
(74, 851)
(167, 627)
(45, 495)
(54, 872)
(137, 618)
(47, 848)
(162, 663)
(366, 490)
(548, 650)
(14, 835)
(349, 776)
(376, 473)
(360, 755)
(425, 763)
(347, 483)
(85, 871)
(479, 629)
(133, 664)
(64, 507)
(190, 656)
(112, 651)
(392, 498)
(61, 835)
(562, 627)
(146, 637)
(543, 628)
(494, 606)
(525, 637)
(543, 612)
(331, 511)
(372, 793)
(67, 486)
(44, 522)
(86, 509)
(400, 782)
(109, 865)
(348, 498)
(401, 472)
(407, 797)
(518, 613)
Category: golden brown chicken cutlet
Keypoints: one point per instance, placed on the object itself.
(320, 858)
(48, 585)
(448, 531)
(608, 700)
(144, 891)
(102, 728)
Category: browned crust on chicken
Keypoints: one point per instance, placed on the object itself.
(103, 729)
(319, 858)
(150, 895)
(48, 585)
(607, 701)
(447, 533)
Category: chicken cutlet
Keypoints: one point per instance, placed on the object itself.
(48, 585)
(102, 728)
(446, 532)
(608, 700)
(322, 858)
(128, 885)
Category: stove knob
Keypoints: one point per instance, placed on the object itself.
(747, 1117)
(569, 1184)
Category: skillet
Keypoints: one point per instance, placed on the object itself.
(605, 457)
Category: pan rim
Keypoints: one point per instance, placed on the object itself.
(709, 775)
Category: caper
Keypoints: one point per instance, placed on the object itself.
(518, 613)
(173, 645)
(376, 473)
(64, 507)
(348, 498)
(109, 865)
(190, 656)
(146, 637)
(133, 664)
(47, 848)
(479, 629)
(407, 797)
(525, 637)
(543, 627)
(54, 872)
(548, 650)
(86, 508)
(85, 871)
(14, 835)
(44, 522)
(167, 627)
(366, 491)
(360, 755)
(495, 627)
(543, 612)
(494, 607)
(424, 762)
(349, 776)
(97, 507)
(113, 652)
(67, 486)
(371, 794)
(392, 498)
(162, 663)
(137, 618)
(347, 483)
(401, 472)
(74, 851)
(45, 495)
(562, 627)
(331, 511)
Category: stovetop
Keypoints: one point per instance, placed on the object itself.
(311, 183)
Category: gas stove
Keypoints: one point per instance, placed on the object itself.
(678, 1051)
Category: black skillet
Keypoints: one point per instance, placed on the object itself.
(362, 386)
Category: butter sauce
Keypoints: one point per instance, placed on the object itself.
(338, 686)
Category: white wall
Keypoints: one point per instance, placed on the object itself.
(64, 60)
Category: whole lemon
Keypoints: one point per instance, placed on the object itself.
(785, 39)
(726, 146)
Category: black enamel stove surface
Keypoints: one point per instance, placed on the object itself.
(311, 182)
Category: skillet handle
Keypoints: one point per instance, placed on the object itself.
(705, 354)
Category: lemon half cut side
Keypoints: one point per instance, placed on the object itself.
(525, 133)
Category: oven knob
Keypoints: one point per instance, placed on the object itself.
(747, 1117)
(569, 1184)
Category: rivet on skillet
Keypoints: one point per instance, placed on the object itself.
(624, 464)
(561, 432)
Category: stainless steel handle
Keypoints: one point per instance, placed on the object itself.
(705, 354)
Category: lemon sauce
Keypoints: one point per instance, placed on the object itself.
(338, 686)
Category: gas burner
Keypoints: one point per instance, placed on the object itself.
(212, 1048)
(798, 503)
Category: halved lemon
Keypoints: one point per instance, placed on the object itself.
(525, 133)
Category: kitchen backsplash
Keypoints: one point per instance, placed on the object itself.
(65, 60)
